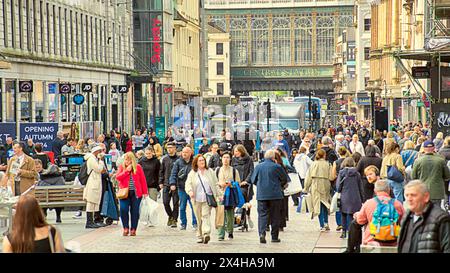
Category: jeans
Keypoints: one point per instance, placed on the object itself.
(269, 209)
(130, 206)
(184, 199)
(338, 216)
(323, 216)
(397, 189)
(346, 220)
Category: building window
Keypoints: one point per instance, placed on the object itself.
(28, 25)
(366, 53)
(239, 41)
(35, 26)
(71, 36)
(260, 41)
(303, 40)
(48, 29)
(190, 39)
(219, 89)
(5, 25)
(281, 48)
(367, 24)
(219, 66)
(325, 39)
(219, 48)
(20, 25)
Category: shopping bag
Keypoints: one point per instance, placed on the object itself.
(294, 186)
(334, 202)
(109, 206)
(149, 211)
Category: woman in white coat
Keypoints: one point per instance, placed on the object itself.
(199, 180)
(92, 193)
(356, 146)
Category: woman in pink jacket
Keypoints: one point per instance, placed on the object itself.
(130, 175)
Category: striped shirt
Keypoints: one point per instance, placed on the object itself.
(131, 186)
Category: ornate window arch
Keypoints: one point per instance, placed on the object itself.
(325, 39)
(303, 39)
(239, 41)
(260, 41)
(281, 50)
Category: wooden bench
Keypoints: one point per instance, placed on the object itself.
(60, 196)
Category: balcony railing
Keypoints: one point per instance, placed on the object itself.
(274, 3)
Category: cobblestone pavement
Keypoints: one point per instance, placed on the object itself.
(301, 236)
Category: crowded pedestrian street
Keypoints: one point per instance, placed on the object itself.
(261, 129)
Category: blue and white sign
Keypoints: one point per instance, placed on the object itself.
(7, 129)
(39, 132)
(52, 88)
(78, 99)
(362, 100)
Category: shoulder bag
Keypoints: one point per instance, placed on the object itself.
(123, 192)
(209, 198)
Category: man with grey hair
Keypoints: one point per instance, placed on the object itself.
(269, 178)
(339, 142)
(364, 217)
(57, 145)
(426, 227)
(371, 142)
(327, 146)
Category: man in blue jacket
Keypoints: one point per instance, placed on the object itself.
(269, 178)
(282, 143)
(177, 180)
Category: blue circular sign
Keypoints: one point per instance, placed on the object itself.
(78, 99)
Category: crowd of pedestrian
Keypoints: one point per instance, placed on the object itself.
(403, 170)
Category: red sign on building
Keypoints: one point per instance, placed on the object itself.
(156, 48)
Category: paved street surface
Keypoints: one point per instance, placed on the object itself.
(301, 236)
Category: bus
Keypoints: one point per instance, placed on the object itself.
(314, 100)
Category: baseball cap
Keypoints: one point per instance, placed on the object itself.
(428, 144)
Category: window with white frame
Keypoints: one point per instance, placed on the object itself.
(325, 39)
(260, 41)
(239, 41)
(303, 40)
(281, 48)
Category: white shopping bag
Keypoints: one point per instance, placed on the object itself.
(334, 203)
(294, 186)
(149, 211)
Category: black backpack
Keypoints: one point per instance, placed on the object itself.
(83, 176)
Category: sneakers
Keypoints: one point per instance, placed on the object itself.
(343, 235)
(200, 240)
(206, 240)
(323, 229)
(58, 220)
(194, 227)
(230, 236)
(339, 228)
(77, 215)
(276, 240)
(183, 228)
(221, 238)
(174, 224)
(327, 227)
(169, 222)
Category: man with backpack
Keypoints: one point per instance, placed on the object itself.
(384, 232)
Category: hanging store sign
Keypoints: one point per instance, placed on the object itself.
(362, 100)
(123, 89)
(113, 89)
(168, 89)
(39, 132)
(78, 99)
(421, 72)
(86, 87)
(65, 88)
(441, 118)
(25, 86)
(156, 48)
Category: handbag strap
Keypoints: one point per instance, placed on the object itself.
(50, 238)
(201, 182)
